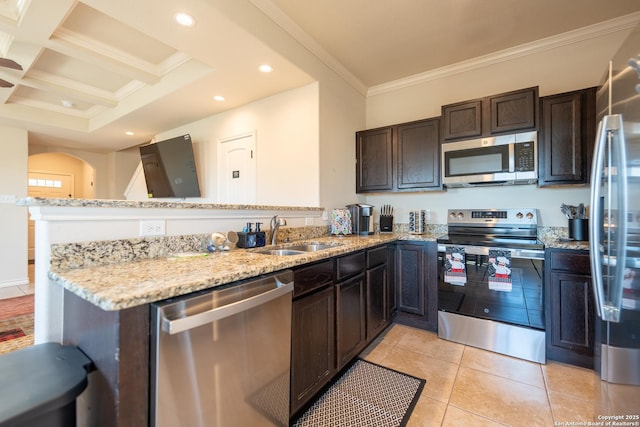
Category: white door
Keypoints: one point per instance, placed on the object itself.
(52, 185)
(237, 169)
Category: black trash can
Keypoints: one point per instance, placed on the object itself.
(39, 385)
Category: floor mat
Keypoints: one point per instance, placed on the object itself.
(365, 395)
(12, 343)
(11, 334)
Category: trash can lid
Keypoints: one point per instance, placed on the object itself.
(39, 379)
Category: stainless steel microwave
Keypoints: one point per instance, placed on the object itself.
(499, 160)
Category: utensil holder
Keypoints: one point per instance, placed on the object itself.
(579, 229)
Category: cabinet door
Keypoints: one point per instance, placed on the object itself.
(418, 148)
(350, 319)
(374, 160)
(312, 346)
(571, 312)
(410, 278)
(377, 288)
(392, 295)
(462, 120)
(513, 111)
(566, 138)
(417, 284)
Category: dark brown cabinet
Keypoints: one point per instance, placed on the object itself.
(350, 319)
(569, 306)
(417, 284)
(377, 291)
(339, 306)
(374, 160)
(567, 136)
(313, 351)
(404, 157)
(492, 115)
(350, 307)
(418, 154)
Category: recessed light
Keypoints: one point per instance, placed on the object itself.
(129, 133)
(265, 68)
(66, 104)
(185, 19)
(219, 98)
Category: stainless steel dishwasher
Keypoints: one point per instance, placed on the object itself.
(222, 357)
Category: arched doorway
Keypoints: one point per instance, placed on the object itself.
(58, 175)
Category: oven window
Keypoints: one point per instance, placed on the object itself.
(476, 161)
(519, 304)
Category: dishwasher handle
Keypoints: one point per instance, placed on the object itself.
(176, 326)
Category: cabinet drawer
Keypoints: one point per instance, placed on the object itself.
(307, 279)
(377, 256)
(569, 261)
(349, 265)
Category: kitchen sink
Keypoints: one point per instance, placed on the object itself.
(297, 249)
(281, 252)
(311, 247)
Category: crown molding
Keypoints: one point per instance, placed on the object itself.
(575, 36)
(294, 30)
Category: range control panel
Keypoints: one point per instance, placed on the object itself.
(515, 216)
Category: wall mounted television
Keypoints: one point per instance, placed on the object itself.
(170, 168)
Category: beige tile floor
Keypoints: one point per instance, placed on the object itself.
(471, 387)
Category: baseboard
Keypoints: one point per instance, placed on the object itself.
(18, 282)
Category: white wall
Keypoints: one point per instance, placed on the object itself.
(13, 219)
(287, 147)
(554, 69)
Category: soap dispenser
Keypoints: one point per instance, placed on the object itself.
(261, 236)
(247, 237)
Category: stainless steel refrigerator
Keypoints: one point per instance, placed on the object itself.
(615, 218)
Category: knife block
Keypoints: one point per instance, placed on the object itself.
(386, 223)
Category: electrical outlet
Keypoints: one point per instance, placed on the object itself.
(152, 228)
(8, 198)
(325, 216)
(308, 221)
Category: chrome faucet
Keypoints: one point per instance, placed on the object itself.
(274, 225)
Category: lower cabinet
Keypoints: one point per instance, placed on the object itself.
(570, 315)
(312, 345)
(377, 291)
(416, 284)
(313, 348)
(339, 306)
(350, 319)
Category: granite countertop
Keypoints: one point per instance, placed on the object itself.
(130, 284)
(565, 243)
(155, 204)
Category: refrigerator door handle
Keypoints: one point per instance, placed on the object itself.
(596, 217)
(608, 306)
(615, 304)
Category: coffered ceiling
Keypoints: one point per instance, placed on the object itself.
(93, 69)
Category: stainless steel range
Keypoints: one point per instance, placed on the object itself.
(490, 282)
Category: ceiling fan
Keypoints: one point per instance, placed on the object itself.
(8, 63)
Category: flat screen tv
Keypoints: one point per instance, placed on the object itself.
(170, 168)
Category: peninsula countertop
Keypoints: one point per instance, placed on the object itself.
(120, 286)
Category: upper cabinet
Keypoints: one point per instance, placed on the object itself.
(492, 115)
(404, 157)
(567, 135)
